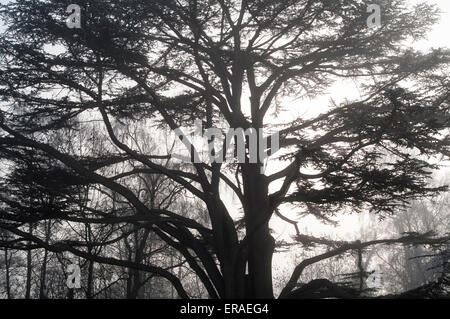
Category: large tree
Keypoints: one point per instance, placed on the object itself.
(230, 64)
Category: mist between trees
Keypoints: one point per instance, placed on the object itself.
(92, 92)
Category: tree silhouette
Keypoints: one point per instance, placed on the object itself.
(165, 64)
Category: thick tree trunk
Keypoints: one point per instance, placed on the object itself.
(233, 272)
(43, 286)
(129, 279)
(135, 281)
(29, 268)
(226, 245)
(172, 289)
(135, 289)
(261, 249)
(261, 244)
(138, 290)
(90, 279)
(8, 284)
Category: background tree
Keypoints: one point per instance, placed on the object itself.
(417, 266)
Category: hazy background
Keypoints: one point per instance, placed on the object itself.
(355, 226)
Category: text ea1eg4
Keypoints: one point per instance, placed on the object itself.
(228, 308)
